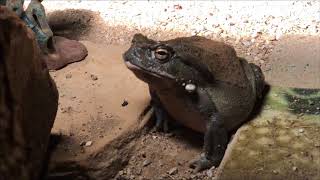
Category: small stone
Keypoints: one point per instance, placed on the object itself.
(139, 171)
(94, 77)
(68, 76)
(272, 38)
(82, 143)
(256, 34)
(146, 163)
(143, 154)
(190, 88)
(209, 173)
(246, 43)
(256, 58)
(301, 130)
(173, 171)
(278, 35)
(121, 173)
(125, 103)
(128, 172)
(177, 6)
(275, 172)
(294, 168)
(88, 143)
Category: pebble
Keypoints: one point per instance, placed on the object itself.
(88, 143)
(246, 43)
(124, 103)
(94, 77)
(146, 163)
(139, 171)
(82, 143)
(177, 6)
(173, 171)
(209, 173)
(68, 76)
(301, 130)
(121, 173)
(294, 168)
(190, 88)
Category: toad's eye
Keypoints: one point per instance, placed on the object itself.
(161, 54)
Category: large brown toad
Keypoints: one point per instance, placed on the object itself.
(199, 82)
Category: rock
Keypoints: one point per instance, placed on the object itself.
(88, 143)
(94, 77)
(173, 171)
(121, 173)
(246, 43)
(66, 51)
(125, 103)
(177, 6)
(68, 76)
(139, 171)
(146, 163)
(28, 101)
(209, 173)
(294, 168)
(82, 143)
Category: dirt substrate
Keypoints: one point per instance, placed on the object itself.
(103, 107)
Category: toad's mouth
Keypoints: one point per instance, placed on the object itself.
(138, 68)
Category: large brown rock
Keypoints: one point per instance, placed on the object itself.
(28, 101)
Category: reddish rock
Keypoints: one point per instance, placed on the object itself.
(66, 51)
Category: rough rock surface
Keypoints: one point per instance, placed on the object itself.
(28, 101)
(280, 143)
(67, 51)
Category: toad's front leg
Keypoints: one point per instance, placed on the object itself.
(215, 144)
(160, 113)
(215, 137)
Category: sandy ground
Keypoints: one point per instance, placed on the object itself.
(92, 111)
(86, 110)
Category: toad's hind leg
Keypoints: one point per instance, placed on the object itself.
(161, 114)
(215, 144)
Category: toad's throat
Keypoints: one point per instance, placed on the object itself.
(158, 75)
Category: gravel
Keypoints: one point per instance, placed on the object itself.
(251, 27)
(223, 18)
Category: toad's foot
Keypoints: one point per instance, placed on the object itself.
(161, 120)
(202, 163)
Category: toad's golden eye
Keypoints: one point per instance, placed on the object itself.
(161, 54)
